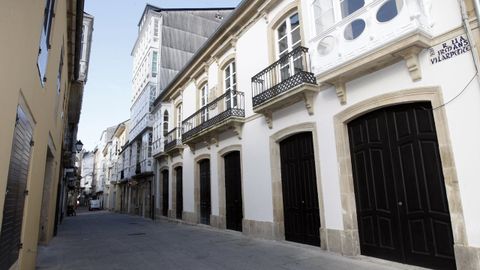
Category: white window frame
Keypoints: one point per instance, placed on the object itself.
(179, 121)
(316, 6)
(154, 63)
(45, 37)
(165, 120)
(155, 27)
(203, 102)
(337, 14)
(231, 97)
(289, 65)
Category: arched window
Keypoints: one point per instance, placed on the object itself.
(289, 38)
(165, 123)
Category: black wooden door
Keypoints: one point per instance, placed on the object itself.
(205, 205)
(148, 199)
(233, 191)
(299, 188)
(165, 193)
(151, 201)
(15, 193)
(179, 199)
(402, 207)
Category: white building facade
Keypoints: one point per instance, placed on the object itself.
(165, 42)
(86, 174)
(103, 167)
(339, 124)
(115, 159)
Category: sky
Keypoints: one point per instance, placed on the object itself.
(106, 99)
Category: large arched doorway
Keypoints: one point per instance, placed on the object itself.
(299, 189)
(400, 196)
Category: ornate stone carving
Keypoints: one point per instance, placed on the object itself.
(237, 130)
(341, 90)
(268, 119)
(308, 98)
(410, 55)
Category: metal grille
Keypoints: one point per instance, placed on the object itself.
(291, 70)
(169, 146)
(230, 104)
(297, 79)
(172, 139)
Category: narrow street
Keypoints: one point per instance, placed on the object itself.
(102, 240)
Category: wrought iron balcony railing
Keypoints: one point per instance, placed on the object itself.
(172, 139)
(230, 104)
(289, 71)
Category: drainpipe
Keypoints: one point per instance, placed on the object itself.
(468, 29)
(477, 8)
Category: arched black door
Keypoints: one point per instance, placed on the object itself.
(165, 193)
(205, 204)
(402, 207)
(179, 199)
(299, 188)
(233, 191)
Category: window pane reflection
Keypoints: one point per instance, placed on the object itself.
(354, 29)
(350, 6)
(389, 10)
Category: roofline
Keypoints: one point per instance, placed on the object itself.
(158, 9)
(106, 147)
(227, 22)
(120, 125)
(78, 38)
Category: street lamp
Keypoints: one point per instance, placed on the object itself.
(79, 146)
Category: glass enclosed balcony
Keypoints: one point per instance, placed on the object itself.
(369, 36)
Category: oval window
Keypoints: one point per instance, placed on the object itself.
(325, 46)
(389, 10)
(350, 6)
(354, 29)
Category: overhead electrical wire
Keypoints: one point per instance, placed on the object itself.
(459, 94)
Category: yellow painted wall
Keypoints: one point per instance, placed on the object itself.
(20, 28)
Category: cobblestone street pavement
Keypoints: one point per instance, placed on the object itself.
(103, 240)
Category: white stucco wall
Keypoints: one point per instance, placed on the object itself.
(188, 181)
(444, 18)
(463, 116)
